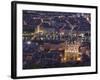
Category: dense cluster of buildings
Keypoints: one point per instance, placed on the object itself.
(55, 39)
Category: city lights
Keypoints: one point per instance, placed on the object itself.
(28, 42)
(38, 30)
(57, 40)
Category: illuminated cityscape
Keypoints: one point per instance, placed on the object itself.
(56, 39)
